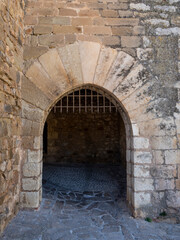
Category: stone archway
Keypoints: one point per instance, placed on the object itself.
(61, 70)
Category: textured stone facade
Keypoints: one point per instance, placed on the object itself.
(11, 66)
(129, 48)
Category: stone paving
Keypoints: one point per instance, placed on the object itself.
(85, 203)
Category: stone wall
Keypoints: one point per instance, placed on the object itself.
(11, 66)
(141, 69)
(89, 138)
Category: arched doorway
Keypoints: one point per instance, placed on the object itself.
(62, 70)
(85, 130)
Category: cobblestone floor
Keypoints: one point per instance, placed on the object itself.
(85, 203)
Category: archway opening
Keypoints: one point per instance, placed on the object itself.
(85, 144)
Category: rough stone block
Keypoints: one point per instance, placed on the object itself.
(141, 171)
(165, 142)
(31, 93)
(31, 112)
(55, 70)
(164, 184)
(141, 143)
(83, 21)
(89, 53)
(31, 184)
(70, 58)
(142, 157)
(172, 157)
(135, 129)
(51, 40)
(143, 184)
(31, 169)
(139, 6)
(89, 13)
(97, 30)
(158, 157)
(33, 52)
(66, 29)
(34, 156)
(111, 40)
(173, 199)
(29, 199)
(122, 21)
(142, 199)
(67, 12)
(39, 29)
(105, 61)
(130, 41)
(119, 69)
(109, 13)
(122, 31)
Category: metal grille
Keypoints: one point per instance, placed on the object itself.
(86, 100)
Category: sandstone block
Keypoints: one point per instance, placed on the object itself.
(54, 20)
(89, 53)
(143, 184)
(51, 40)
(121, 66)
(30, 20)
(33, 94)
(109, 13)
(130, 41)
(138, 30)
(142, 199)
(142, 171)
(97, 30)
(122, 21)
(29, 199)
(158, 157)
(122, 31)
(83, 21)
(89, 13)
(34, 156)
(105, 61)
(66, 29)
(125, 13)
(164, 184)
(31, 184)
(164, 171)
(37, 142)
(70, 58)
(33, 52)
(172, 157)
(141, 143)
(142, 157)
(165, 142)
(26, 127)
(39, 29)
(70, 38)
(31, 169)
(178, 184)
(135, 129)
(120, 6)
(111, 41)
(31, 112)
(42, 11)
(67, 12)
(39, 76)
(173, 199)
